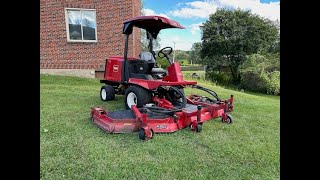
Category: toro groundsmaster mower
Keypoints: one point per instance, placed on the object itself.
(154, 98)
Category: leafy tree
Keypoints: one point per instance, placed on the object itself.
(195, 56)
(230, 35)
(181, 55)
(87, 22)
(275, 46)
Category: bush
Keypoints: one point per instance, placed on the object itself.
(194, 75)
(252, 81)
(266, 82)
(261, 73)
(163, 62)
(219, 78)
(184, 63)
(272, 81)
(192, 68)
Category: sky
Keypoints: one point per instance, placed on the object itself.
(192, 13)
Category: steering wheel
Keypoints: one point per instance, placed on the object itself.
(165, 54)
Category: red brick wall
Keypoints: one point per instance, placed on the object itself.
(57, 53)
(136, 4)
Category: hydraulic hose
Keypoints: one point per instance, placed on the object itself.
(214, 94)
(175, 109)
(157, 109)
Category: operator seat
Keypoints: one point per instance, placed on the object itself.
(149, 59)
(154, 71)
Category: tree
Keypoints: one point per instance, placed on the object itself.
(275, 47)
(230, 35)
(195, 56)
(181, 55)
(86, 22)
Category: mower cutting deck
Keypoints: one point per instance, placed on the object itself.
(197, 110)
(154, 97)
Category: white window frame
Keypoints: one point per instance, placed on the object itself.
(67, 25)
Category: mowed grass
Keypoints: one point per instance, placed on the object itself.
(71, 147)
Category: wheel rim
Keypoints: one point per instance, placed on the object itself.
(193, 128)
(104, 94)
(151, 132)
(131, 99)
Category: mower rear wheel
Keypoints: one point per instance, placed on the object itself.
(228, 120)
(136, 95)
(107, 93)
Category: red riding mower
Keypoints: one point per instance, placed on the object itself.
(154, 97)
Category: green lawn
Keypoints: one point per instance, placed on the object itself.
(71, 147)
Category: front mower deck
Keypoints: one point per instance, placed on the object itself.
(192, 115)
(128, 114)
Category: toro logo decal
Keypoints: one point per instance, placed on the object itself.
(115, 68)
(161, 127)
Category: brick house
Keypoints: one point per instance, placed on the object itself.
(77, 36)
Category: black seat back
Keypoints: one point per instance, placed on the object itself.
(142, 68)
(149, 59)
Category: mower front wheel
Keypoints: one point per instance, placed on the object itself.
(107, 93)
(142, 134)
(228, 120)
(198, 127)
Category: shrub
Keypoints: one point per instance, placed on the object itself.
(185, 66)
(192, 68)
(163, 62)
(261, 73)
(184, 63)
(266, 82)
(272, 80)
(252, 81)
(219, 78)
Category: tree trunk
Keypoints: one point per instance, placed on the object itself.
(235, 74)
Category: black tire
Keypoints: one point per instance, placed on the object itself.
(142, 134)
(142, 96)
(199, 128)
(229, 119)
(109, 93)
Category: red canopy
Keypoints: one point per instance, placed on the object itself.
(152, 24)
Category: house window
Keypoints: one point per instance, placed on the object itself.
(81, 25)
